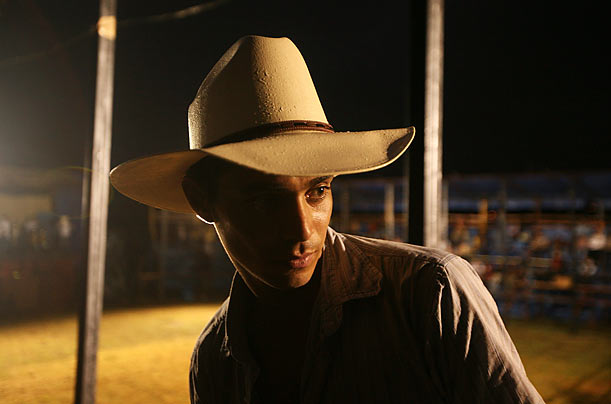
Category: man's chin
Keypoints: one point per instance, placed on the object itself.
(280, 276)
(293, 279)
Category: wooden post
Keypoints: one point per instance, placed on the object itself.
(482, 224)
(88, 331)
(433, 102)
(424, 110)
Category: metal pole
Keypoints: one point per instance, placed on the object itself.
(433, 103)
(88, 342)
(82, 274)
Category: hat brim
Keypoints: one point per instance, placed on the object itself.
(157, 180)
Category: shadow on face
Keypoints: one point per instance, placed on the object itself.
(273, 227)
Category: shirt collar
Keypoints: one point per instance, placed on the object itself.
(347, 274)
(235, 342)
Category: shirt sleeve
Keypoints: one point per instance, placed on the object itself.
(468, 344)
(195, 379)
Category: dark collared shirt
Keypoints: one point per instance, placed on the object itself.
(393, 323)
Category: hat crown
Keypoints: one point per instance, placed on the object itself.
(258, 81)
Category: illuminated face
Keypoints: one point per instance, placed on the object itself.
(272, 227)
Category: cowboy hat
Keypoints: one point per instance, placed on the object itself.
(258, 108)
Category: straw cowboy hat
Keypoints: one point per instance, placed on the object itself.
(258, 108)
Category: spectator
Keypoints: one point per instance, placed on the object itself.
(539, 244)
(64, 231)
(597, 243)
(559, 257)
(461, 242)
(5, 233)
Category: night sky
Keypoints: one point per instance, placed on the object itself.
(526, 83)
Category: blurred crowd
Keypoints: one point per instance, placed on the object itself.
(578, 249)
(39, 261)
(44, 232)
(556, 269)
(560, 268)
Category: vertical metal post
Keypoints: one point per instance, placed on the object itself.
(88, 339)
(433, 103)
(424, 110)
(482, 225)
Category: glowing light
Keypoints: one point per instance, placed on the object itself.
(107, 27)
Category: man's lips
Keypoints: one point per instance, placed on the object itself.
(298, 261)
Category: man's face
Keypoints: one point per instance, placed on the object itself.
(273, 227)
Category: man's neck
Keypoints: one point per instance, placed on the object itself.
(305, 295)
(278, 328)
(269, 297)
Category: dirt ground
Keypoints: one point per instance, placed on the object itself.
(144, 357)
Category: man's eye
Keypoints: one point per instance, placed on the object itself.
(318, 193)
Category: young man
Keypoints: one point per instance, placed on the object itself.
(315, 316)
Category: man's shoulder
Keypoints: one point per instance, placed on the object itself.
(402, 263)
(212, 337)
(373, 247)
(207, 370)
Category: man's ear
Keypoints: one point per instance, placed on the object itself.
(198, 200)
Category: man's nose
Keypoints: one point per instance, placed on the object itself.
(296, 222)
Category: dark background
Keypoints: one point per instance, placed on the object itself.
(526, 84)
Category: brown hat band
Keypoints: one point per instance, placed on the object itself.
(273, 128)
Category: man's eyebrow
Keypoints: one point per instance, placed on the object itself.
(257, 186)
(318, 180)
